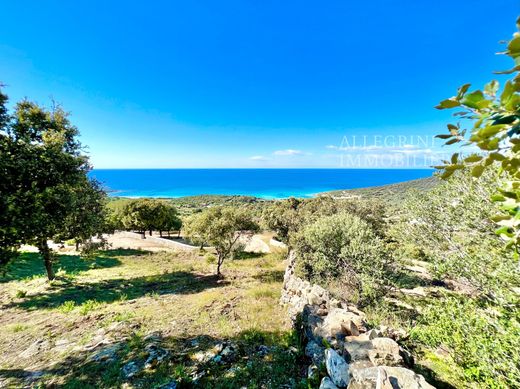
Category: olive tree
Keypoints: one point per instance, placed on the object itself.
(495, 130)
(222, 228)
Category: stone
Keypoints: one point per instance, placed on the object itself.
(262, 350)
(333, 303)
(315, 352)
(170, 385)
(373, 379)
(322, 312)
(357, 348)
(337, 368)
(312, 371)
(326, 383)
(130, 369)
(374, 333)
(156, 355)
(107, 354)
(339, 321)
(398, 377)
(35, 348)
(229, 353)
(385, 351)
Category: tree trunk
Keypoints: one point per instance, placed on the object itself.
(201, 246)
(150, 232)
(179, 234)
(46, 253)
(160, 233)
(219, 263)
(143, 233)
(77, 245)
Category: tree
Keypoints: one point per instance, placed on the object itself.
(495, 132)
(222, 228)
(139, 215)
(169, 219)
(44, 189)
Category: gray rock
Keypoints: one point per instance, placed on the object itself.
(130, 369)
(170, 385)
(357, 348)
(398, 377)
(376, 379)
(326, 383)
(35, 348)
(337, 368)
(315, 352)
(312, 371)
(385, 351)
(107, 354)
(156, 355)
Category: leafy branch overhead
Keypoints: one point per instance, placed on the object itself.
(495, 115)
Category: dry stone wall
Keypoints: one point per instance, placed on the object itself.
(336, 336)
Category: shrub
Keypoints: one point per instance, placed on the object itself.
(343, 252)
(451, 226)
(484, 344)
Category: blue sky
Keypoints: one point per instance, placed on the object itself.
(250, 83)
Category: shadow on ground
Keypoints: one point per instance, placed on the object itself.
(180, 282)
(255, 359)
(28, 265)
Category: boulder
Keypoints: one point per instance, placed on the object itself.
(337, 368)
(326, 383)
(315, 352)
(398, 377)
(339, 321)
(385, 351)
(357, 348)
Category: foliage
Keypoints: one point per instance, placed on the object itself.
(287, 217)
(343, 252)
(144, 215)
(222, 228)
(45, 193)
(450, 225)
(486, 346)
(495, 132)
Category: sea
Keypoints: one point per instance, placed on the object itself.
(262, 183)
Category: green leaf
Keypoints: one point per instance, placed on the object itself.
(462, 90)
(504, 231)
(473, 158)
(475, 100)
(447, 174)
(514, 47)
(489, 131)
(497, 197)
(452, 141)
(491, 88)
(496, 156)
(477, 171)
(449, 103)
(507, 93)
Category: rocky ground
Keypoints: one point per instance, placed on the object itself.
(146, 318)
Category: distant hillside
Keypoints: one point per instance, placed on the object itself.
(390, 193)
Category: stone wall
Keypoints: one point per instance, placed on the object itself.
(337, 337)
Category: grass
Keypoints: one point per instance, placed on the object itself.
(122, 297)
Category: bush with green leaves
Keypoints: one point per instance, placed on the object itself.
(451, 226)
(495, 131)
(482, 339)
(287, 217)
(342, 252)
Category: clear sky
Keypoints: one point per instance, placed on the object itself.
(250, 83)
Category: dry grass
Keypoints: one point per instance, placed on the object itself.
(126, 295)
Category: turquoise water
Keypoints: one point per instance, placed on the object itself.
(263, 183)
